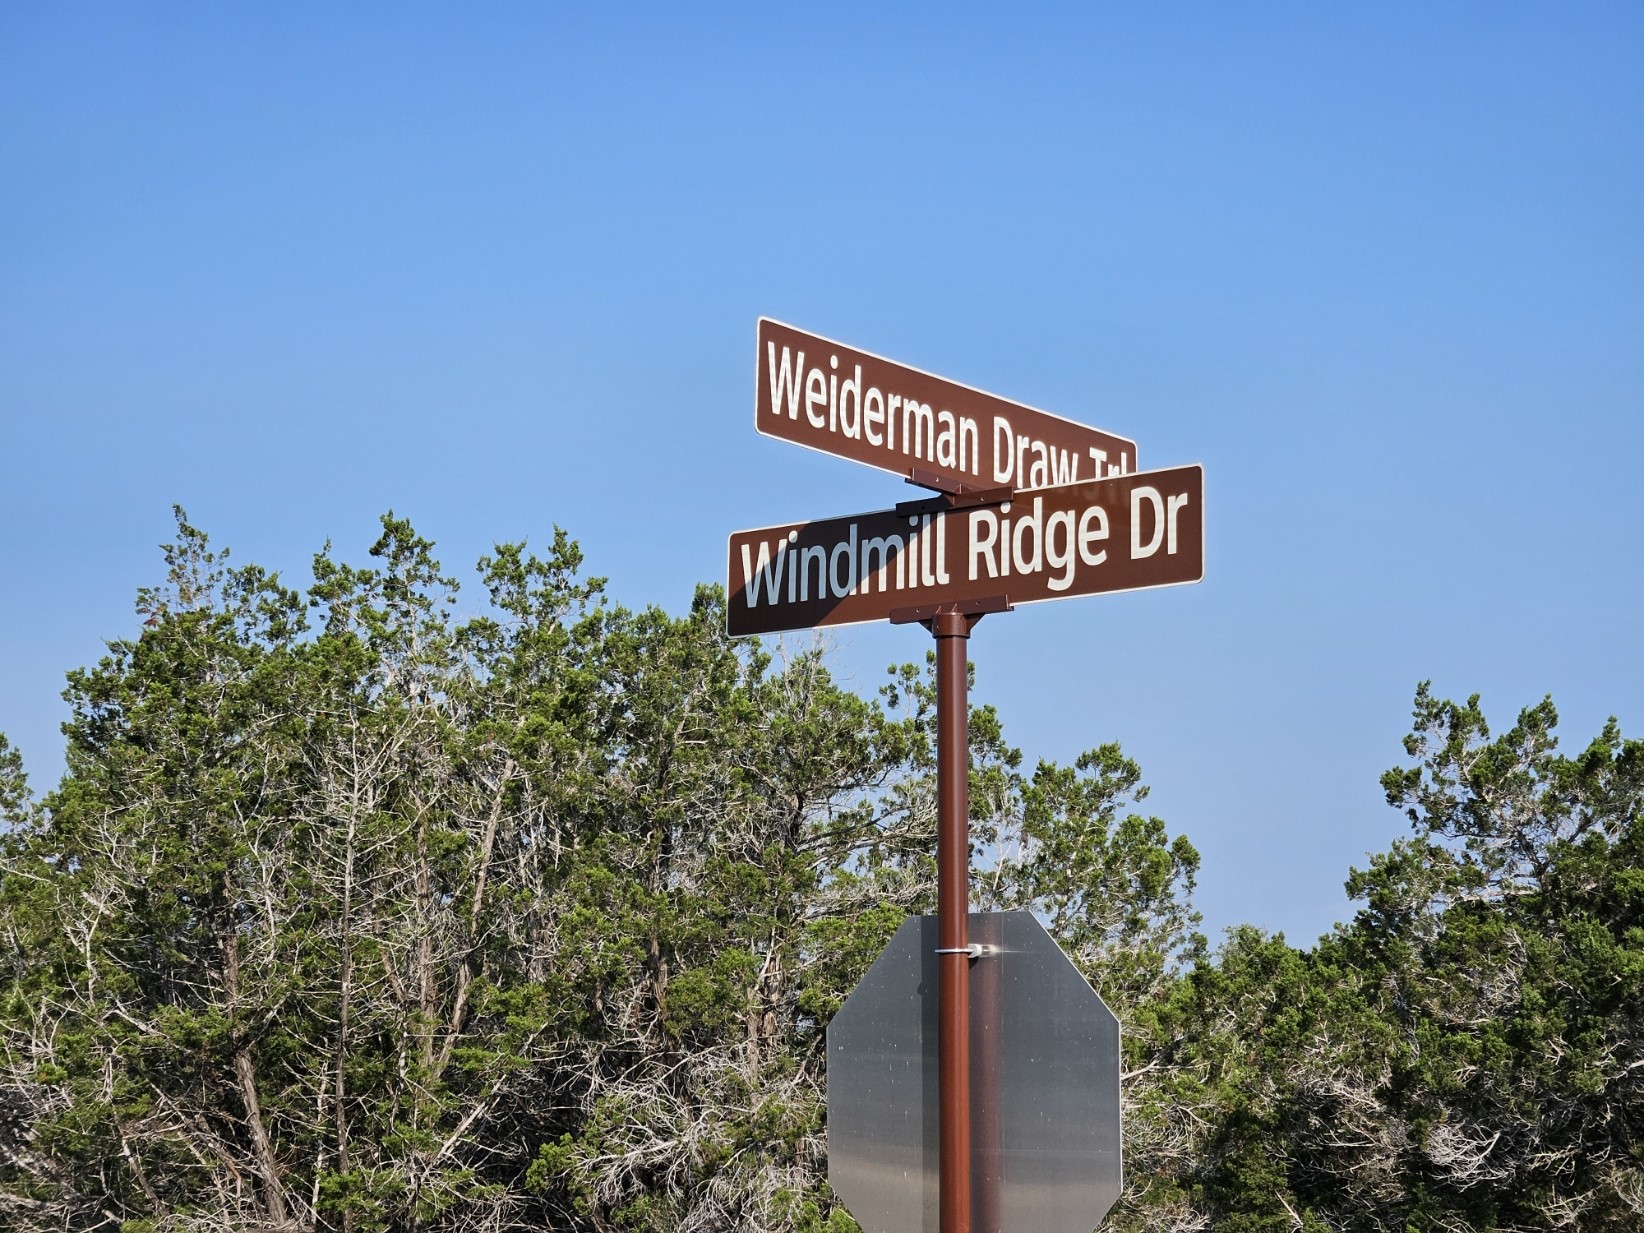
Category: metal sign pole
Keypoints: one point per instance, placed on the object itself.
(952, 632)
(947, 553)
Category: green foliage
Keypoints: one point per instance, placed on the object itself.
(354, 913)
(1467, 1053)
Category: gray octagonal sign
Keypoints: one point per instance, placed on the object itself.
(1044, 1086)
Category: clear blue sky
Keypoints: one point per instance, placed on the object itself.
(1380, 268)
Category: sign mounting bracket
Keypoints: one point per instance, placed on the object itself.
(960, 496)
(977, 608)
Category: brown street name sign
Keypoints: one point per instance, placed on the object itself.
(856, 405)
(1123, 533)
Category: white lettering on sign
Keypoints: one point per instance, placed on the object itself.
(1062, 541)
(1118, 533)
(856, 405)
(1160, 516)
(893, 562)
(1104, 468)
(885, 418)
(1023, 461)
(1014, 539)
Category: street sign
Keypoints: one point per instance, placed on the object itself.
(1044, 1086)
(1124, 533)
(950, 1113)
(860, 406)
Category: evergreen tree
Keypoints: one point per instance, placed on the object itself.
(351, 913)
(1468, 1052)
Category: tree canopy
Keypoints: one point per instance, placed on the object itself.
(354, 910)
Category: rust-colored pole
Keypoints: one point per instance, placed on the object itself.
(952, 631)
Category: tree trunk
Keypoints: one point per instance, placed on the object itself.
(245, 1077)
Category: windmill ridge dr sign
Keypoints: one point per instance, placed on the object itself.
(1118, 534)
(860, 406)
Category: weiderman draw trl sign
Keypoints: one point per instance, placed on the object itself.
(857, 405)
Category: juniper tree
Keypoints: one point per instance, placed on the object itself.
(355, 911)
(1468, 1052)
